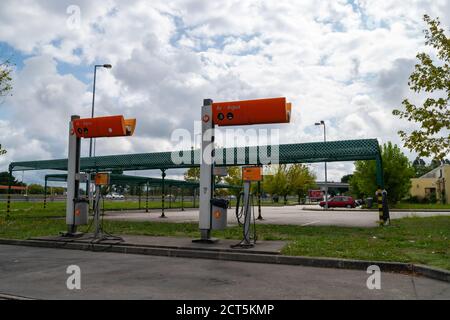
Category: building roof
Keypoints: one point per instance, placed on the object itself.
(436, 172)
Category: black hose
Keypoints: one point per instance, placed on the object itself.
(239, 210)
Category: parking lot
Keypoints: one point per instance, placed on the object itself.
(291, 215)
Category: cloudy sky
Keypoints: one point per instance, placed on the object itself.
(346, 62)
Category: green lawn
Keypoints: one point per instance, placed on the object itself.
(59, 207)
(435, 206)
(413, 240)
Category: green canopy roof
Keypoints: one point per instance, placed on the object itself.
(345, 150)
(138, 180)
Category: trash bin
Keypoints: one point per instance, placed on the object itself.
(219, 214)
(369, 202)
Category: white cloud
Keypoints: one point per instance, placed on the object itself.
(341, 62)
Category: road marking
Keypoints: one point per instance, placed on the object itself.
(307, 224)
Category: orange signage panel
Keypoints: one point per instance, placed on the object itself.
(102, 179)
(252, 173)
(248, 112)
(112, 126)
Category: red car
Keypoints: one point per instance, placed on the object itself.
(339, 202)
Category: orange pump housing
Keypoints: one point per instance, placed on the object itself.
(248, 112)
(111, 126)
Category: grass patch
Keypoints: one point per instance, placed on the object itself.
(58, 208)
(412, 240)
(435, 206)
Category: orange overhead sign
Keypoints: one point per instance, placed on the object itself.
(112, 126)
(252, 173)
(248, 112)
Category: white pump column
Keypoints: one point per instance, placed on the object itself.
(73, 168)
(207, 157)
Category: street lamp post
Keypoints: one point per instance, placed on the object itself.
(106, 66)
(322, 123)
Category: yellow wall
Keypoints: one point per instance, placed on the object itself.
(446, 175)
(418, 185)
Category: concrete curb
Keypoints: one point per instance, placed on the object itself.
(396, 267)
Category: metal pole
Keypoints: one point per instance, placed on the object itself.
(146, 199)
(97, 233)
(326, 172)
(259, 202)
(8, 205)
(206, 173)
(139, 195)
(163, 196)
(169, 191)
(73, 185)
(379, 196)
(45, 193)
(88, 182)
(247, 213)
(93, 107)
(182, 199)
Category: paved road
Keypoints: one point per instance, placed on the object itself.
(279, 215)
(41, 273)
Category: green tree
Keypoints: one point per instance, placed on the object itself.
(2, 151)
(432, 77)
(277, 184)
(346, 178)
(192, 174)
(5, 78)
(5, 85)
(234, 177)
(300, 180)
(435, 163)
(420, 167)
(5, 177)
(57, 190)
(35, 189)
(354, 189)
(397, 174)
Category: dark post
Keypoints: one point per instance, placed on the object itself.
(45, 193)
(139, 194)
(379, 197)
(146, 199)
(170, 196)
(259, 201)
(182, 199)
(386, 215)
(163, 196)
(8, 205)
(193, 194)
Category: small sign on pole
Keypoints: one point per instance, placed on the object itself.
(252, 173)
(102, 179)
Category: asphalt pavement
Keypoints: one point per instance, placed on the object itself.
(286, 215)
(41, 273)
